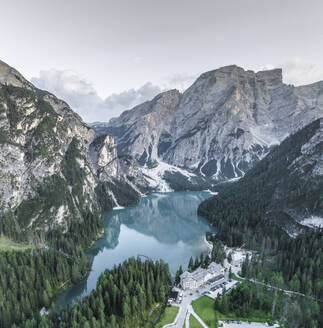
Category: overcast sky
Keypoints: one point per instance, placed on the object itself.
(104, 56)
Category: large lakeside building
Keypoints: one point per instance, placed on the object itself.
(192, 280)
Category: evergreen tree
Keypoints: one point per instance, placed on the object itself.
(178, 274)
(191, 264)
(196, 263)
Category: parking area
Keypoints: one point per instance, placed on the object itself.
(214, 290)
(242, 324)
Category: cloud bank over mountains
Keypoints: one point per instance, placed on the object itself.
(81, 95)
(84, 99)
(300, 72)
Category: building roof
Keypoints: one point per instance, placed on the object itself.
(217, 278)
(185, 275)
(173, 295)
(200, 273)
(214, 267)
(237, 256)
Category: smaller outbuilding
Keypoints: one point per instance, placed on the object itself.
(173, 296)
(238, 258)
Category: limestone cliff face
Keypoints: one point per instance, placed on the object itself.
(138, 131)
(53, 167)
(221, 126)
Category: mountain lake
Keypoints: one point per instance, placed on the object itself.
(161, 226)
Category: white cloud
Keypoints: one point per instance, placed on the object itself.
(118, 102)
(83, 98)
(299, 72)
(180, 81)
(138, 60)
(81, 95)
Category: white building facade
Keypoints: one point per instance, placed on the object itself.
(238, 258)
(193, 280)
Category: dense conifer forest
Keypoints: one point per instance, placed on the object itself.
(257, 302)
(30, 280)
(249, 301)
(125, 296)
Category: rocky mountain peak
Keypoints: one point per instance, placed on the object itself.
(236, 75)
(10, 76)
(221, 126)
(273, 75)
(168, 99)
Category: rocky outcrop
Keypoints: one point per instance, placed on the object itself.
(54, 169)
(218, 128)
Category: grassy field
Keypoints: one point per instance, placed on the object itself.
(194, 323)
(204, 307)
(7, 244)
(168, 316)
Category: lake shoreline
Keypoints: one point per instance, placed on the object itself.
(160, 226)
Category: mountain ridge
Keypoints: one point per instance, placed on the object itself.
(55, 172)
(219, 127)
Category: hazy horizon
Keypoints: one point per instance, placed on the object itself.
(105, 57)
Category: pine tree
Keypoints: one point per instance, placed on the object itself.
(191, 264)
(178, 274)
(196, 263)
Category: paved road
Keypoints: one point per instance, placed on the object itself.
(183, 317)
(247, 325)
(187, 321)
(191, 310)
(289, 292)
(187, 299)
(185, 306)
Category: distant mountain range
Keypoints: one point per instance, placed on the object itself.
(217, 129)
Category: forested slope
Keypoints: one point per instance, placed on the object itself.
(281, 190)
(264, 211)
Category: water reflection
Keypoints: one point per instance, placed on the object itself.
(161, 226)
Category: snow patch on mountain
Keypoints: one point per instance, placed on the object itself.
(156, 175)
(313, 222)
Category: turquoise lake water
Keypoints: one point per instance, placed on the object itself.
(162, 226)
